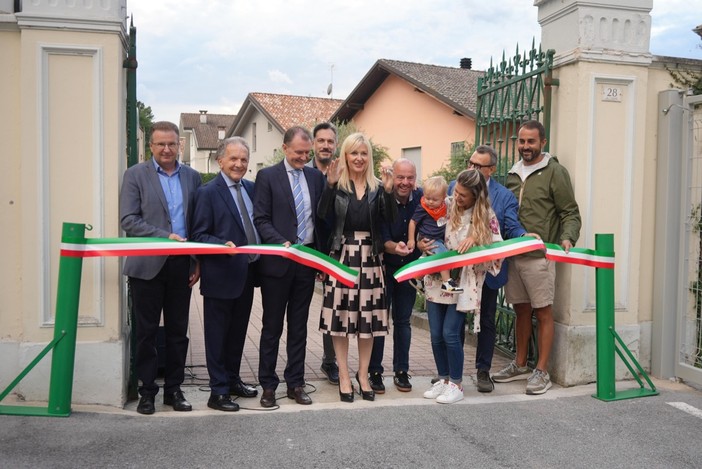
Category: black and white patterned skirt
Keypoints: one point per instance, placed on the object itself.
(360, 310)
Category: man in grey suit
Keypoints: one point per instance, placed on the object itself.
(155, 200)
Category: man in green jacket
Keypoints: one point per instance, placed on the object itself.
(547, 207)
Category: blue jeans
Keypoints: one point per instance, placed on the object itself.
(401, 296)
(445, 324)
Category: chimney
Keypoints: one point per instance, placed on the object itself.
(220, 132)
(466, 63)
(203, 117)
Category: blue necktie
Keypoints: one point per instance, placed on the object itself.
(299, 206)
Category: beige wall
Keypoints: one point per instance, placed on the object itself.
(396, 117)
(62, 130)
(267, 142)
(11, 206)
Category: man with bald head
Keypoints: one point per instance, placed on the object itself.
(401, 295)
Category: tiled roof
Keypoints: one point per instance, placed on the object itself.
(287, 110)
(456, 87)
(206, 134)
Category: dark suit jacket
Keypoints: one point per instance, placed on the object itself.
(274, 212)
(143, 212)
(216, 220)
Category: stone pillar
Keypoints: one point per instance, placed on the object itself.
(67, 90)
(599, 133)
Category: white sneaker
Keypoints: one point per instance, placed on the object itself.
(436, 390)
(452, 393)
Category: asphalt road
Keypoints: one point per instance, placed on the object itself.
(563, 428)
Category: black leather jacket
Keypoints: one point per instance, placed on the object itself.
(335, 202)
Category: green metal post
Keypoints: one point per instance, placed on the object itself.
(130, 63)
(604, 322)
(66, 324)
(606, 335)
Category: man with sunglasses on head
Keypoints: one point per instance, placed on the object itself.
(505, 206)
(156, 201)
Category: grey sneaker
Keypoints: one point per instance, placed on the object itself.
(511, 372)
(538, 383)
(484, 383)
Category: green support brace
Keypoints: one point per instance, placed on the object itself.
(65, 330)
(606, 334)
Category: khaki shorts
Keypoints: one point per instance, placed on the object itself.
(531, 280)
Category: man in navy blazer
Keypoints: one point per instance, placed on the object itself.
(286, 286)
(155, 201)
(506, 208)
(223, 214)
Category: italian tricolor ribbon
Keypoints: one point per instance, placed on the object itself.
(500, 250)
(110, 247)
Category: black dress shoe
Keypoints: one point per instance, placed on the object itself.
(366, 395)
(146, 405)
(268, 398)
(346, 396)
(177, 400)
(222, 402)
(243, 390)
(299, 395)
(331, 371)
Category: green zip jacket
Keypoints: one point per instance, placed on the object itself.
(547, 203)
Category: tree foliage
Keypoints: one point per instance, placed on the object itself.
(146, 120)
(457, 163)
(688, 79)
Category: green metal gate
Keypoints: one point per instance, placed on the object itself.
(516, 89)
(130, 64)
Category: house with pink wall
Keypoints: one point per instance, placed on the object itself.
(417, 111)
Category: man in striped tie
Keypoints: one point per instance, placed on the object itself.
(285, 203)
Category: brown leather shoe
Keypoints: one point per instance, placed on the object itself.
(299, 395)
(268, 398)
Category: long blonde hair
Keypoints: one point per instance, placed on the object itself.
(473, 181)
(351, 143)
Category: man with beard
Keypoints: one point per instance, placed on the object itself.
(548, 208)
(324, 146)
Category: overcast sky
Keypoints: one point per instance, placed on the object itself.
(196, 54)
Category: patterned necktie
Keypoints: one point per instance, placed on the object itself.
(248, 226)
(299, 206)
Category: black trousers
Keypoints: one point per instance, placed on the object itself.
(291, 295)
(226, 322)
(167, 292)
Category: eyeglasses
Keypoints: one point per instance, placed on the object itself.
(163, 146)
(472, 164)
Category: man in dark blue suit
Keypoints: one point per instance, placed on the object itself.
(506, 208)
(285, 203)
(223, 215)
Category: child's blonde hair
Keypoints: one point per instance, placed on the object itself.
(434, 185)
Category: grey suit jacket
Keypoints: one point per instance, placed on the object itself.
(143, 212)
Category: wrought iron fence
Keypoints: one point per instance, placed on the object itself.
(514, 90)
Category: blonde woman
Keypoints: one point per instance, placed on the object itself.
(355, 202)
(471, 223)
